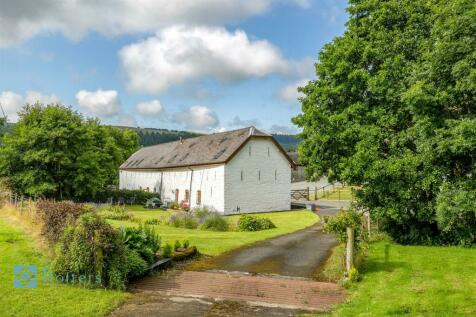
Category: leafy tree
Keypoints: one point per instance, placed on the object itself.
(393, 109)
(54, 152)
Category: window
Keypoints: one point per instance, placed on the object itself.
(241, 175)
(249, 150)
(176, 195)
(268, 151)
(275, 175)
(187, 195)
(259, 175)
(199, 197)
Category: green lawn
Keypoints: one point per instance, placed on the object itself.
(46, 300)
(414, 281)
(336, 194)
(212, 242)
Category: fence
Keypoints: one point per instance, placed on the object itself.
(21, 203)
(335, 191)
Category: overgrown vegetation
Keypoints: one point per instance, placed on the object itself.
(144, 240)
(392, 110)
(215, 222)
(253, 223)
(92, 247)
(201, 218)
(339, 223)
(54, 217)
(117, 212)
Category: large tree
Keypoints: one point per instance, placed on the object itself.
(393, 110)
(54, 152)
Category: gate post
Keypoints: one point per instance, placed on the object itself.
(349, 251)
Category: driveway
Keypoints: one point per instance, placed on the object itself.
(298, 254)
(268, 278)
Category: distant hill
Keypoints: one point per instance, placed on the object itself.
(151, 136)
(288, 141)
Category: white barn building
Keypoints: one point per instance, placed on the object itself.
(240, 171)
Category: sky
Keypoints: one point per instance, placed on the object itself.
(198, 65)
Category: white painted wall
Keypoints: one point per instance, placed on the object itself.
(266, 182)
(208, 179)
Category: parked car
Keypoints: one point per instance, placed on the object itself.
(153, 203)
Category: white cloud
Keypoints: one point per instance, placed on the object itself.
(103, 103)
(12, 103)
(23, 19)
(290, 92)
(151, 108)
(197, 118)
(283, 129)
(180, 53)
(238, 122)
(125, 120)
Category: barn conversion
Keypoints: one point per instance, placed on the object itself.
(240, 171)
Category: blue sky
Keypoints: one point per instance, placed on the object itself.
(205, 65)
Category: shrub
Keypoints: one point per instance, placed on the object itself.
(177, 245)
(92, 247)
(55, 217)
(183, 220)
(128, 196)
(339, 223)
(174, 205)
(117, 212)
(215, 222)
(252, 223)
(167, 251)
(201, 214)
(137, 266)
(152, 222)
(456, 213)
(180, 256)
(143, 239)
(186, 244)
(266, 223)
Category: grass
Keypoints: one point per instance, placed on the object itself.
(335, 194)
(214, 243)
(414, 281)
(16, 247)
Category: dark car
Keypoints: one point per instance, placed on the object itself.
(153, 203)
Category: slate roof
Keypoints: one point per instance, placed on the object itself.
(213, 148)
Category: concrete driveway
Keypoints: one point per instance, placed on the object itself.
(298, 254)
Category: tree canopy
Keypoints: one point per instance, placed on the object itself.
(54, 152)
(393, 110)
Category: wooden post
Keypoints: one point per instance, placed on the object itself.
(368, 223)
(315, 193)
(338, 190)
(308, 193)
(349, 251)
